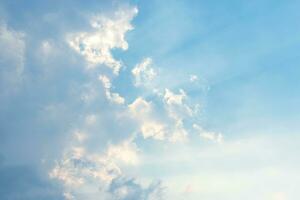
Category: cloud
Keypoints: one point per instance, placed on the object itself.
(193, 78)
(126, 152)
(108, 156)
(179, 132)
(174, 99)
(153, 129)
(140, 107)
(150, 125)
(100, 157)
(144, 73)
(82, 168)
(207, 135)
(108, 33)
(176, 104)
(113, 97)
(128, 189)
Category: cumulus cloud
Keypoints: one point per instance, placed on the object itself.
(163, 116)
(143, 112)
(126, 152)
(153, 129)
(140, 107)
(111, 96)
(108, 33)
(143, 73)
(150, 126)
(80, 167)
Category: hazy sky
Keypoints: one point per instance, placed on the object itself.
(149, 100)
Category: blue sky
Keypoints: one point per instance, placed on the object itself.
(149, 100)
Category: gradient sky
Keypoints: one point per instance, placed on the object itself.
(149, 100)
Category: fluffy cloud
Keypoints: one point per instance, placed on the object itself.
(153, 129)
(163, 116)
(109, 33)
(143, 112)
(176, 105)
(143, 73)
(79, 167)
(151, 126)
(140, 107)
(126, 152)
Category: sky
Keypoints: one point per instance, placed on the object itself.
(149, 100)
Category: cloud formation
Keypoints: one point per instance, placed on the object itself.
(102, 134)
(128, 189)
(208, 135)
(108, 33)
(144, 73)
(111, 96)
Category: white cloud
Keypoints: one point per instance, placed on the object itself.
(105, 81)
(116, 98)
(109, 33)
(143, 112)
(179, 132)
(174, 99)
(153, 129)
(150, 126)
(207, 135)
(143, 72)
(176, 106)
(126, 152)
(113, 97)
(140, 107)
(80, 168)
